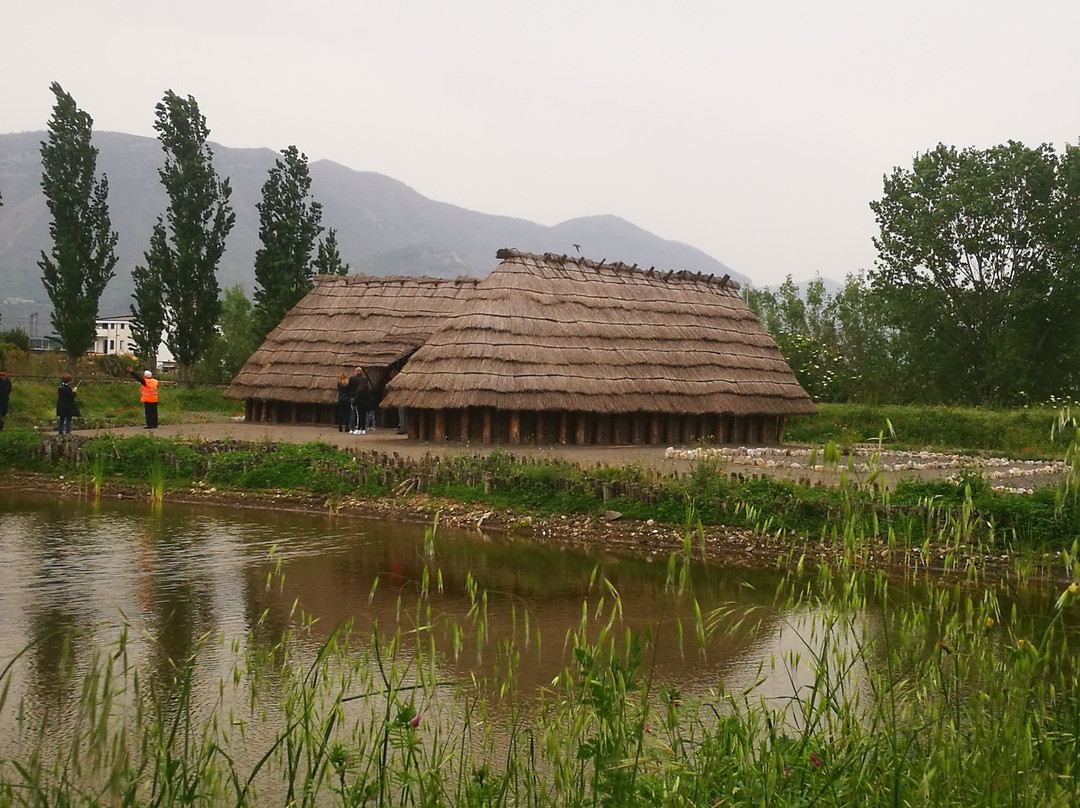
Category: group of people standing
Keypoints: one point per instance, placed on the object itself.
(355, 403)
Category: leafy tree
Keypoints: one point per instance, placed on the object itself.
(289, 223)
(805, 332)
(978, 269)
(188, 243)
(17, 337)
(233, 342)
(83, 256)
(328, 261)
(148, 311)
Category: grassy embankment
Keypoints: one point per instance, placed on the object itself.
(913, 514)
(944, 699)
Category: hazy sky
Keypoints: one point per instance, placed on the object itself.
(756, 131)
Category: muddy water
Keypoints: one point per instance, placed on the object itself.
(175, 582)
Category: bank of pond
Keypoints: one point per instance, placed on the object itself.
(170, 655)
(965, 512)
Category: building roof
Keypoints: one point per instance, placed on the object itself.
(345, 322)
(550, 332)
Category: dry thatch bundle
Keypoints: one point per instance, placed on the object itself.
(343, 323)
(555, 333)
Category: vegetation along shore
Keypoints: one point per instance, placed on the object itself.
(747, 504)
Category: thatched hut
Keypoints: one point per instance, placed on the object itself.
(343, 323)
(557, 349)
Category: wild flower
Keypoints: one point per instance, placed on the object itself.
(814, 761)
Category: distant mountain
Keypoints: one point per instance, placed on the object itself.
(384, 227)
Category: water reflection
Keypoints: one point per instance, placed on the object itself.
(76, 576)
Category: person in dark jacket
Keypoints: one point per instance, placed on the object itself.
(5, 396)
(344, 403)
(360, 392)
(66, 408)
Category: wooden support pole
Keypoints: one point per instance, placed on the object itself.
(515, 427)
(438, 434)
(562, 427)
(463, 429)
(690, 424)
(486, 434)
(654, 428)
(579, 431)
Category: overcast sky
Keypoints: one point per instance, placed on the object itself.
(755, 131)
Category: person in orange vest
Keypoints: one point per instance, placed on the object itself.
(147, 395)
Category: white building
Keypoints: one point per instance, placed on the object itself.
(114, 337)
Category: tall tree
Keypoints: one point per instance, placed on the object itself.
(978, 267)
(289, 223)
(328, 261)
(233, 341)
(188, 243)
(83, 255)
(148, 310)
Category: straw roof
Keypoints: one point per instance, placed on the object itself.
(345, 322)
(561, 333)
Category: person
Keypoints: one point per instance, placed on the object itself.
(344, 403)
(147, 395)
(5, 396)
(66, 408)
(359, 392)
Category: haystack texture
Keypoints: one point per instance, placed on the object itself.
(558, 349)
(343, 323)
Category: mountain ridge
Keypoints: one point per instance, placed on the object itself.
(384, 226)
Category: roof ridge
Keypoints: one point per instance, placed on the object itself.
(618, 266)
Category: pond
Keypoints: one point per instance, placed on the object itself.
(80, 571)
(154, 587)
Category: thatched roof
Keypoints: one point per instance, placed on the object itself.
(561, 333)
(345, 322)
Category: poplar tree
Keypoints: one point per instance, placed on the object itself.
(83, 256)
(189, 240)
(148, 311)
(289, 223)
(328, 261)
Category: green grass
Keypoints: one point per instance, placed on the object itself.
(114, 403)
(1018, 433)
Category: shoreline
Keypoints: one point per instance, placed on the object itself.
(644, 540)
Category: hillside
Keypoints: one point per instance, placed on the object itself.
(384, 227)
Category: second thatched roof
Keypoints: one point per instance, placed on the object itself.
(343, 323)
(548, 332)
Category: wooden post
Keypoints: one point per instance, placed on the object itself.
(654, 428)
(515, 427)
(690, 423)
(562, 427)
(486, 434)
(439, 432)
(463, 429)
(538, 432)
(412, 423)
(579, 431)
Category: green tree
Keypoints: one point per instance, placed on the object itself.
(188, 243)
(233, 342)
(83, 256)
(328, 261)
(978, 269)
(148, 310)
(289, 223)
